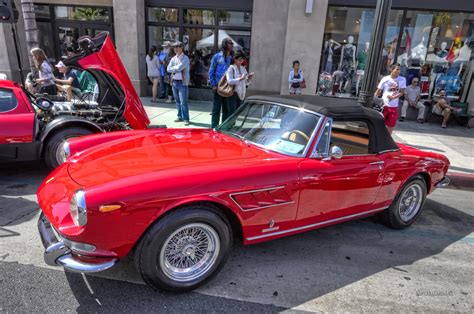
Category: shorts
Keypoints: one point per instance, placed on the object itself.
(390, 115)
(152, 78)
(296, 90)
(438, 110)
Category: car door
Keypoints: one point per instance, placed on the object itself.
(16, 122)
(334, 188)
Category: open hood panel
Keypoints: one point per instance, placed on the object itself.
(98, 56)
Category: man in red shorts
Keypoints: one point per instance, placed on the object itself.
(392, 86)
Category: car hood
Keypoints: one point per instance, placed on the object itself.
(99, 57)
(155, 151)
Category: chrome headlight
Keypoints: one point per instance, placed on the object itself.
(78, 208)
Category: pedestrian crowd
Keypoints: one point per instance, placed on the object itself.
(393, 87)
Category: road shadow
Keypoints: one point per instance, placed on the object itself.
(18, 184)
(317, 262)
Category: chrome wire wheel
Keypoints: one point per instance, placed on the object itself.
(189, 252)
(410, 202)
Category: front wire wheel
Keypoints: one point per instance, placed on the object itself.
(189, 252)
(184, 249)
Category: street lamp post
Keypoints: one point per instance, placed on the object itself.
(374, 55)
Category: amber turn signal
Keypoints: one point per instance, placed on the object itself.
(108, 208)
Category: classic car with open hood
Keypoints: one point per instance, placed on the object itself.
(175, 199)
(34, 127)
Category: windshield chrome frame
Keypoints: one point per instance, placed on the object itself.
(314, 154)
(311, 139)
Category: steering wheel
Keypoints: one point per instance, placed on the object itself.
(296, 136)
(44, 103)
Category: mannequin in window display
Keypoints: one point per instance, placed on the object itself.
(440, 65)
(330, 47)
(348, 61)
(451, 80)
(416, 60)
(403, 61)
(361, 64)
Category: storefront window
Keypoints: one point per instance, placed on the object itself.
(42, 11)
(199, 46)
(157, 35)
(197, 29)
(234, 18)
(200, 17)
(81, 13)
(436, 47)
(346, 43)
(45, 39)
(169, 15)
(59, 27)
(241, 39)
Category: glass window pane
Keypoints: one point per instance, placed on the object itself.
(169, 15)
(436, 48)
(8, 100)
(45, 38)
(81, 13)
(234, 18)
(42, 11)
(199, 46)
(67, 38)
(241, 39)
(200, 17)
(157, 35)
(345, 49)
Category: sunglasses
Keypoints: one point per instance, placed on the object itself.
(415, 81)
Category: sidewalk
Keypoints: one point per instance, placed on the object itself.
(456, 142)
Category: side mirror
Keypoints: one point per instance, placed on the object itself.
(336, 152)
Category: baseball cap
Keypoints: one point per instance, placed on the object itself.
(60, 65)
(177, 44)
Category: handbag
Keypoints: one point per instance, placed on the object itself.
(224, 89)
(303, 84)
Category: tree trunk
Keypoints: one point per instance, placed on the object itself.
(28, 9)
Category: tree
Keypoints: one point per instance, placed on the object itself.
(31, 30)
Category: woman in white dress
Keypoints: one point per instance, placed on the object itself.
(153, 71)
(237, 76)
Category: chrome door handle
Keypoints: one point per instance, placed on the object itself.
(377, 163)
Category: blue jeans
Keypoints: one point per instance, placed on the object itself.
(163, 92)
(180, 93)
(219, 103)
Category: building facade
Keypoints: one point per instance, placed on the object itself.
(432, 40)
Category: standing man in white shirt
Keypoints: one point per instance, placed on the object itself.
(412, 97)
(392, 97)
(179, 69)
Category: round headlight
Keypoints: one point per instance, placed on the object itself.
(78, 208)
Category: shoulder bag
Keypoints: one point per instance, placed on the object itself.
(224, 89)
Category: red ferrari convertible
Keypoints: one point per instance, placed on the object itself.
(177, 198)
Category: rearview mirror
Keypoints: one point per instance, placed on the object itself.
(336, 152)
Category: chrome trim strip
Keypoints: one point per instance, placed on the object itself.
(378, 163)
(259, 190)
(443, 183)
(315, 225)
(57, 253)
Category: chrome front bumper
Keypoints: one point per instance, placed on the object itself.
(56, 253)
(443, 183)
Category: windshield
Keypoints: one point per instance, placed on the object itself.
(275, 127)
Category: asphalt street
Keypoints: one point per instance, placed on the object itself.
(356, 266)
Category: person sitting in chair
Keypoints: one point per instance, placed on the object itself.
(69, 84)
(442, 107)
